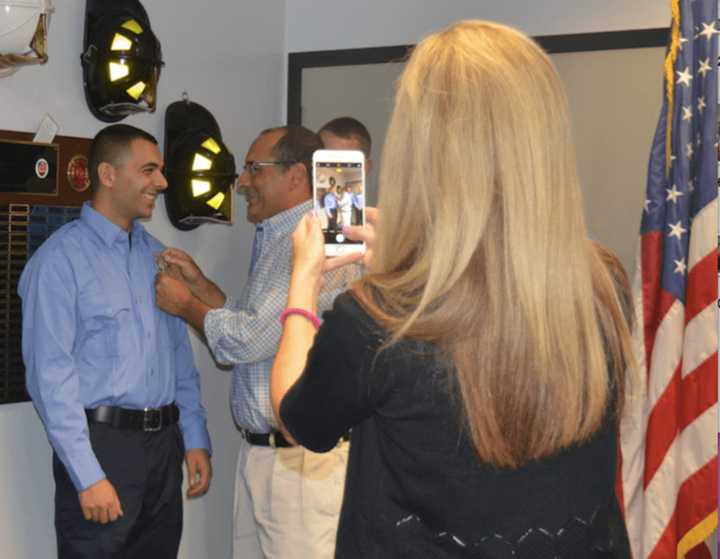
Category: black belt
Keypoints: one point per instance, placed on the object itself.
(275, 439)
(149, 419)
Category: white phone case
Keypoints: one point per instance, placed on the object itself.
(339, 174)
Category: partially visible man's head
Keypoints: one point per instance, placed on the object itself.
(125, 173)
(346, 133)
(297, 145)
(282, 178)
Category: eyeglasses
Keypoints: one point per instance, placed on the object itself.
(253, 167)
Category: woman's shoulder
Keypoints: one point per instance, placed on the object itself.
(348, 310)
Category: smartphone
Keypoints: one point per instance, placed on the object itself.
(339, 195)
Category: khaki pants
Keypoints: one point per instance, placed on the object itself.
(287, 502)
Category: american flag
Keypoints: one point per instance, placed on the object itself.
(668, 439)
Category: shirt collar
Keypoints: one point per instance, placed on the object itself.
(106, 229)
(286, 221)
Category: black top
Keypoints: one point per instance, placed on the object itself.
(415, 486)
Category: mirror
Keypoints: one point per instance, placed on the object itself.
(614, 84)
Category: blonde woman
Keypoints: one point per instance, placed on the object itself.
(480, 364)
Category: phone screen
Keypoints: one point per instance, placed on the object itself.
(340, 198)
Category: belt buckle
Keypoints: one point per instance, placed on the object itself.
(271, 440)
(152, 420)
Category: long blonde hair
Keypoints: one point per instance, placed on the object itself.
(482, 246)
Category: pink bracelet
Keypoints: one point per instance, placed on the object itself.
(302, 312)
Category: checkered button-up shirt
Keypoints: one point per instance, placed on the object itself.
(246, 332)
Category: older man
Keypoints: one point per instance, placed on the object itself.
(287, 499)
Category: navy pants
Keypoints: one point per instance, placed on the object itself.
(146, 470)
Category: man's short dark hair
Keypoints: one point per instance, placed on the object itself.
(110, 144)
(296, 145)
(350, 128)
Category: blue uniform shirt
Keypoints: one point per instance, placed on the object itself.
(330, 202)
(92, 336)
(358, 201)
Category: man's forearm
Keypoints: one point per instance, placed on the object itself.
(195, 311)
(209, 293)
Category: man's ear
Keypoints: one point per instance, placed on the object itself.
(298, 176)
(368, 165)
(106, 174)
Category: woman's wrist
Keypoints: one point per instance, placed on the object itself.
(305, 301)
(303, 292)
(311, 276)
(306, 271)
(307, 315)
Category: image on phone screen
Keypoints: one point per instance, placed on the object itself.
(340, 198)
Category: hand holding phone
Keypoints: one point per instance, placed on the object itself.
(339, 195)
(308, 249)
(366, 234)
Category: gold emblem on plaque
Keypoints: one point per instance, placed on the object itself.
(77, 173)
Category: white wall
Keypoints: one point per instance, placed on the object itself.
(329, 24)
(229, 56)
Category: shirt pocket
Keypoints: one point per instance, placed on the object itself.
(103, 313)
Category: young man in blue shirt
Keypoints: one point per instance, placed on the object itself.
(112, 376)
